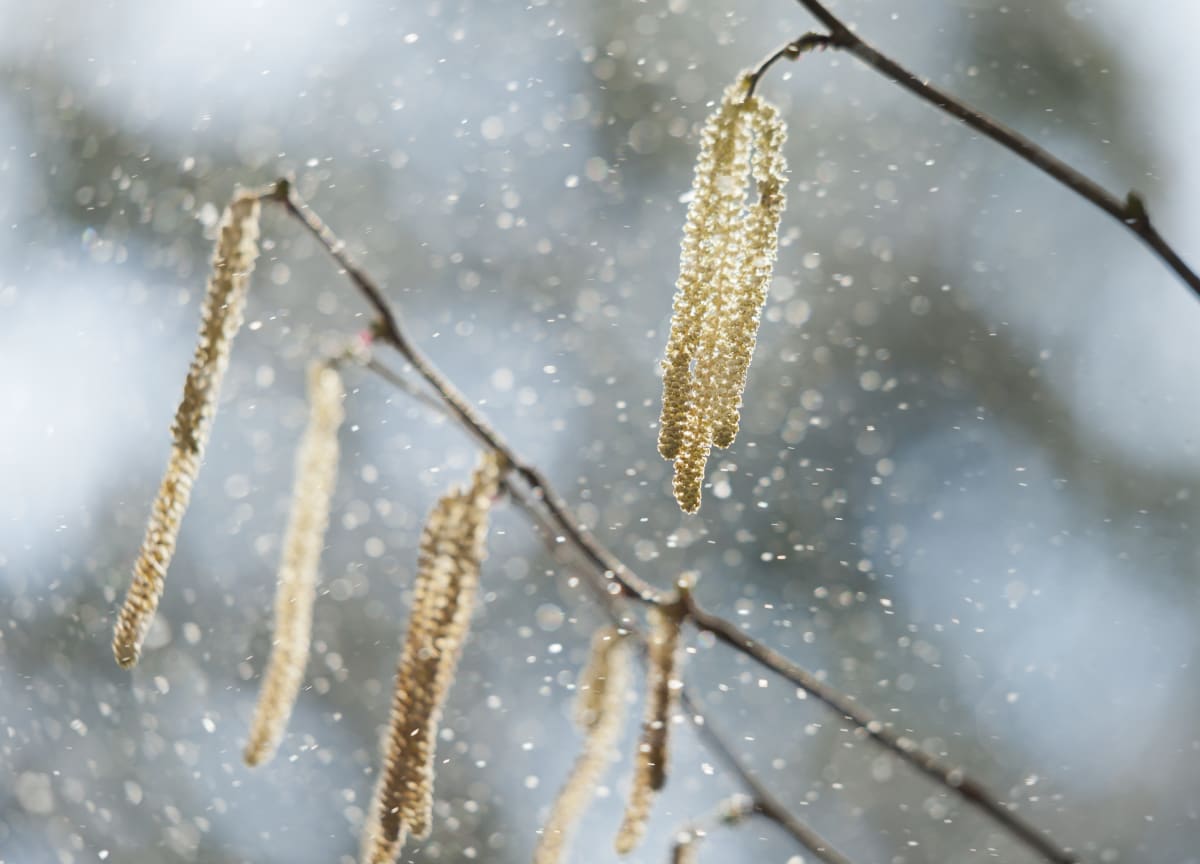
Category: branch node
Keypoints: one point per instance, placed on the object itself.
(791, 51)
(1136, 214)
(280, 191)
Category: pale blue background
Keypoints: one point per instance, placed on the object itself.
(965, 489)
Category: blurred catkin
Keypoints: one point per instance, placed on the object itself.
(451, 550)
(600, 713)
(221, 317)
(725, 264)
(316, 474)
(662, 694)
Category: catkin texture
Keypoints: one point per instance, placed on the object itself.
(761, 239)
(704, 236)
(726, 259)
(316, 474)
(662, 694)
(221, 316)
(600, 713)
(451, 550)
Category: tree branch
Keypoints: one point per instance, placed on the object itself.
(620, 580)
(938, 770)
(764, 802)
(1130, 211)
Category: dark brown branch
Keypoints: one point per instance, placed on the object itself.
(620, 580)
(1130, 211)
(938, 770)
(792, 50)
(391, 332)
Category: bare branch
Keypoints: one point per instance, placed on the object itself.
(764, 802)
(938, 770)
(619, 580)
(1130, 211)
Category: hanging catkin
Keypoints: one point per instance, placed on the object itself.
(600, 713)
(221, 316)
(451, 550)
(710, 215)
(725, 264)
(316, 473)
(662, 693)
(761, 240)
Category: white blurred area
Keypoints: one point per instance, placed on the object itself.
(965, 489)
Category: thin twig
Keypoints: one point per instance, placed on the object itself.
(621, 580)
(764, 801)
(392, 333)
(1130, 211)
(792, 50)
(731, 812)
(951, 776)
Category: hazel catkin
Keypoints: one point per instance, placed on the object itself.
(221, 317)
(316, 473)
(449, 558)
(726, 259)
(600, 713)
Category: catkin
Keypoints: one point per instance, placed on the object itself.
(761, 244)
(600, 713)
(221, 316)
(451, 550)
(316, 474)
(702, 237)
(726, 259)
(662, 693)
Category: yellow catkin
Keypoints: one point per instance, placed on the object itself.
(316, 474)
(697, 264)
(600, 713)
(726, 259)
(221, 316)
(757, 262)
(662, 694)
(727, 244)
(451, 550)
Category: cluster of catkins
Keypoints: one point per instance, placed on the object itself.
(452, 547)
(315, 476)
(725, 264)
(728, 252)
(601, 713)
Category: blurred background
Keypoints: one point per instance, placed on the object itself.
(964, 489)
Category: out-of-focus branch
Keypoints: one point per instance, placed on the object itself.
(619, 580)
(1130, 211)
(763, 801)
